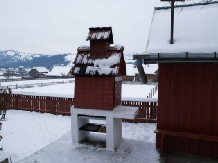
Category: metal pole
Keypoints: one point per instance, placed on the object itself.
(172, 21)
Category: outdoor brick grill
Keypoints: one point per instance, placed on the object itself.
(98, 70)
(98, 74)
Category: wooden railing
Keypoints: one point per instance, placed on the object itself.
(147, 110)
(43, 104)
(153, 91)
(61, 106)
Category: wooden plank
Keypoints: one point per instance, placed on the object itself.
(187, 135)
(208, 99)
(163, 96)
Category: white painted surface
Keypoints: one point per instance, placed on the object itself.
(113, 123)
(125, 112)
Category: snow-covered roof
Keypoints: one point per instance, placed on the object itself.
(131, 69)
(59, 71)
(1, 72)
(195, 31)
(103, 33)
(150, 68)
(41, 69)
(100, 59)
(86, 64)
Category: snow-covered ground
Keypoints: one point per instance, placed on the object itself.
(67, 90)
(27, 132)
(34, 81)
(33, 134)
(129, 91)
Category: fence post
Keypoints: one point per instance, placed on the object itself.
(17, 101)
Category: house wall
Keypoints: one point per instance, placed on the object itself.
(188, 102)
(33, 72)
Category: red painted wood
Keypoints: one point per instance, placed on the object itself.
(62, 106)
(188, 95)
(163, 95)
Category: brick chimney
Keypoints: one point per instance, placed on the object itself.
(100, 40)
(98, 71)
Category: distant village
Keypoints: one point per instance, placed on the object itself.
(16, 74)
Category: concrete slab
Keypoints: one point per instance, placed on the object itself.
(127, 151)
(64, 151)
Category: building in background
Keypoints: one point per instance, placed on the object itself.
(188, 77)
(59, 72)
(38, 72)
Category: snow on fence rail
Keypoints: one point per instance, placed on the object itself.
(147, 110)
(61, 106)
(153, 91)
(38, 84)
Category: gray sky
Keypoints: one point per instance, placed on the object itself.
(60, 26)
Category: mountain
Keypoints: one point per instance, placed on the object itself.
(14, 59)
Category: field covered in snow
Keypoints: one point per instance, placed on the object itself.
(66, 89)
(27, 132)
(24, 133)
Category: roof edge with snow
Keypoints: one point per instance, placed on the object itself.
(189, 46)
(187, 5)
(178, 57)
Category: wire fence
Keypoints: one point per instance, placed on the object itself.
(38, 84)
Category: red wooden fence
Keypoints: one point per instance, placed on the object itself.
(147, 111)
(61, 106)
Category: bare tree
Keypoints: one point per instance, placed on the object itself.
(5, 100)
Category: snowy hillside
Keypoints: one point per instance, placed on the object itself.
(14, 59)
(60, 27)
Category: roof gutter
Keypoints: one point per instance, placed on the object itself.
(177, 57)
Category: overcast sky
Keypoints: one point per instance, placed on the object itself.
(60, 26)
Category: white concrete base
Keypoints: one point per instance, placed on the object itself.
(113, 123)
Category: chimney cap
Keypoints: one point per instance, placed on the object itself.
(100, 34)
